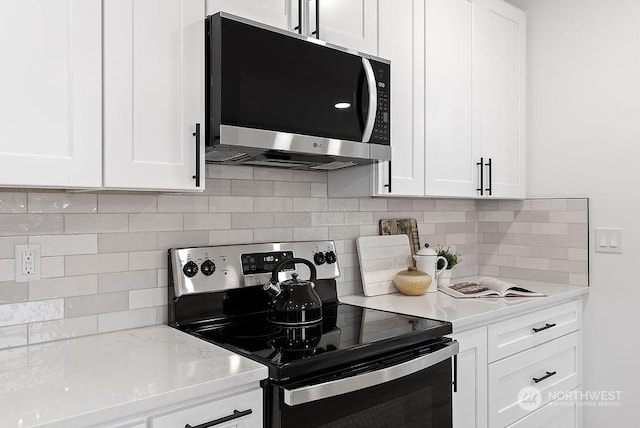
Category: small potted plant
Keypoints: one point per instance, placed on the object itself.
(453, 258)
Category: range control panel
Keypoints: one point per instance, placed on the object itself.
(206, 269)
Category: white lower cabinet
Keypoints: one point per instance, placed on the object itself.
(248, 403)
(519, 372)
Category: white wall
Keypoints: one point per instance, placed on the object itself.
(584, 140)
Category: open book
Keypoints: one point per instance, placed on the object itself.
(487, 287)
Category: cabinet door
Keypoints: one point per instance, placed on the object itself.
(153, 93)
(450, 148)
(277, 13)
(402, 41)
(51, 102)
(470, 399)
(502, 82)
(349, 23)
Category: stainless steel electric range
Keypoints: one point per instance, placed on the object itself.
(353, 367)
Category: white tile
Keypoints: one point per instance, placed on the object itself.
(309, 204)
(344, 232)
(251, 188)
(63, 287)
(7, 246)
(155, 222)
(578, 279)
(514, 227)
(62, 245)
(532, 263)
(577, 204)
(251, 220)
(498, 260)
(96, 304)
(549, 204)
(231, 204)
(225, 237)
(272, 204)
(13, 202)
(310, 233)
(327, 219)
(95, 223)
(182, 204)
(291, 219)
(318, 190)
(358, 218)
(373, 204)
(572, 266)
(217, 186)
(578, 254)
(503, 216)
(7, 270)
(26, 312)
(444, 216)
(273, 174)
(549, 228)
(162, 315)
(287, 188)
(310, 176)
(568, 217)
(52, 267)
(369, 230)
(227, 171)
(207, 221)
(126, 319)
(13, 336)
(31, 224)
(62, 329)
(343, 204)
(163, 277)
(141, 260)
(424, 205)
(550, 252)
(121, 242)
(127, 203)
(96, 263)
(147, 298)
(511, 250)
(197, 238)
(62, 203)
(273, 235)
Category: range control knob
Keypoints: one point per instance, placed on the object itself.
(318, 258)
(190, 269)
(330, 257)
(208, 267)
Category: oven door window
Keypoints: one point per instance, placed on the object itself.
(419, 400)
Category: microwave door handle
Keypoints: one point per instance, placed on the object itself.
(373, 100)
(307, 394)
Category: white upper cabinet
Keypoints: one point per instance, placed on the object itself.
(501, 132)
(349, 23)
(154, 94)
(276, 13)
(450, 149)
(401, 33)
(50, 93)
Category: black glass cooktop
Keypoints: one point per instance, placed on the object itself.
(346, 335)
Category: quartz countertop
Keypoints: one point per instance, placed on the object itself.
(470, 312)
(88, 380)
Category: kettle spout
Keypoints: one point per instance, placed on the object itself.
(272, 288)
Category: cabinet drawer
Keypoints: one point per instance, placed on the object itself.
(212, 410)
(515, 335)
(556, 365)
(553, 415)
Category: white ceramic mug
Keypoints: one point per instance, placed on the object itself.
(427, 261)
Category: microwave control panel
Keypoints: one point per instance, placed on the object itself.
(381, 129)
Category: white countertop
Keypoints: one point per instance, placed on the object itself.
(471, 312)
(91, 379)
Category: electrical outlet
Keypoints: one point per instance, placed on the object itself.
(27, 262)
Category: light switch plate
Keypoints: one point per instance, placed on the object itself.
(609, 240)
(27, 262)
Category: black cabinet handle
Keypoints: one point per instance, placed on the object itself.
(197, 135)
(490, 180)
(389, 183)
(299, 27)
(317, 32)
(455, 373)
(481, 165)
(546, 326)
(236, 414)
(547, 376)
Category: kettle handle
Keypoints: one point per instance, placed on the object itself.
(276, 270)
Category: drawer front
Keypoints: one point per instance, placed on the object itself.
(217, 409)
(553, 415)
(517, 334)
(555, 365)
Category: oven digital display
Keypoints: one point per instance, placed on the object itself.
(257, 263)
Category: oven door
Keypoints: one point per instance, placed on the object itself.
(415, 392)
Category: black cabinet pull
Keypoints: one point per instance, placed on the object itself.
(197, 135)
(299, 27)
(490, 180)
(389, 184)
(546, 326)
(236, 414)
(481, 165)
(455, 373)
(547, 376)
(317, 32)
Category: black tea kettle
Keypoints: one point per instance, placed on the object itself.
(294, 301)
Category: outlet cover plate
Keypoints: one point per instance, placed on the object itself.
(19, 264)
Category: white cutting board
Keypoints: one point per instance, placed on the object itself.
(381, 258)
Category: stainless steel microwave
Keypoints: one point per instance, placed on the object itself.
(277, 98)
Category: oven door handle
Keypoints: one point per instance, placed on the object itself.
(307, 394)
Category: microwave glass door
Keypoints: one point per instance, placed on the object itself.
(281, 83)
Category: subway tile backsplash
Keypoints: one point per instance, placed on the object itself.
(104, 255)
